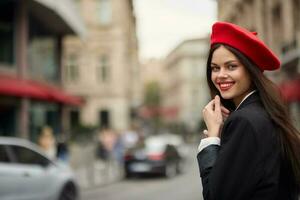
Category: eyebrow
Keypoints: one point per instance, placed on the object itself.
(226, 63)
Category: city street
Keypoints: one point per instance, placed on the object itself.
(186, 186)
(94, 93)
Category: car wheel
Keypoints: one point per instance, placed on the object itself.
(170, 170)
(69, 193)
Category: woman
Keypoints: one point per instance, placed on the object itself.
(47, 142)
(251, 150)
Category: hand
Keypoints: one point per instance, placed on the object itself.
(225, 113)
(214, 115)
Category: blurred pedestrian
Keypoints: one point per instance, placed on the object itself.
(47, 142)
(130, 137)
(106, 141)
(252, 148)
(62, 148)
(119, 149)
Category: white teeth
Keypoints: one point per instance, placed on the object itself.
(225, 84)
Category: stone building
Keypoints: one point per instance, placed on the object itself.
(31, 93)
(278, 24)
(185, 89)
(103, 67)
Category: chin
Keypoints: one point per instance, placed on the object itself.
(226, 95)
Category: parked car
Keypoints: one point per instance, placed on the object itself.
(27, 174)
(156, 156)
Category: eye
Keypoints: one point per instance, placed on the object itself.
(215, 68)
(232, 67)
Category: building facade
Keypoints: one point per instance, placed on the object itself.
(185, 88)
(103, 68)
(31, 93)
(278, 25)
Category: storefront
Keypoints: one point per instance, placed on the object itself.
(31, 95)
(46, 105)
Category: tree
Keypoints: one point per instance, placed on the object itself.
(152, 102)
(152, 96)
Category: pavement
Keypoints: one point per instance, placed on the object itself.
(91, 172)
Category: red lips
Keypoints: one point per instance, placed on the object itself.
(224, 86)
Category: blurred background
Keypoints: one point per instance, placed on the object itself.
(105, 78)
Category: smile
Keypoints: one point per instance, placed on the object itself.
(225, 86)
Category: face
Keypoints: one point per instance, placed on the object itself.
(229, 76)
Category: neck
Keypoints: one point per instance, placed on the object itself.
(237, 104)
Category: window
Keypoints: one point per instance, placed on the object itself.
(3, 155)
(27, 156)
(41, 114)
(7, 33)
(296, 5)
(72, 68)
(8, 119)
(104, 118)
(42, 51)
(103, 69)
(104, 12)
(74, 119)
(276, 28)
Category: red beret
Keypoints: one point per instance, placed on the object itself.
(246, 42)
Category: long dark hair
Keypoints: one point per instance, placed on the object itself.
(272, 101)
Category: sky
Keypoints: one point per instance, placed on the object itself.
(163, 24)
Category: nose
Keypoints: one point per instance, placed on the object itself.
(222, 73)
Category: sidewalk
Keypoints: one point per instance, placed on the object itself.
(91, 172)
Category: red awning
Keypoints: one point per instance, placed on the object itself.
(291, 90)
(13, 86)
(57, 95)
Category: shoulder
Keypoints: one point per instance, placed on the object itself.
(254, 114)
(252, 121)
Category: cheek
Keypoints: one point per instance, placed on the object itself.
(213, 77)
(246, 83)
(249, 83)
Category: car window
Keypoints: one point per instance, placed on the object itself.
(27, 156)
(3, 154)
(152, 147)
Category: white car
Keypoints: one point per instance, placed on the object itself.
(27, 174)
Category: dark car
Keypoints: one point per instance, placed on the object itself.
(27, 174)
(156, 156)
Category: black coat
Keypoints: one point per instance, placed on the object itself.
(247, 165)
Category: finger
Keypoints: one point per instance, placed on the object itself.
(224, 110)
(209, 106)
(217, 104)
(224, 116)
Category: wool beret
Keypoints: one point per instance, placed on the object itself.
(246, 42)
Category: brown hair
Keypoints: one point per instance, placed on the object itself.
(272, 101)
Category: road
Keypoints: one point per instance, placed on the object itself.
(186, 186)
